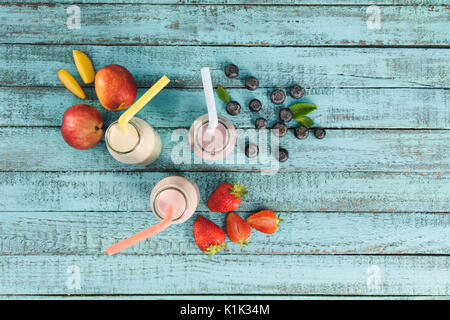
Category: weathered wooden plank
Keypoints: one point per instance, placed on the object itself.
(43, 149)
(242, 2)
(213, 297)
(225, 25)
(37, 65)
(303, 191)
(348, 108)
(89, 233)
(186, 274)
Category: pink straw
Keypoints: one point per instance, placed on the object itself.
(144, 234)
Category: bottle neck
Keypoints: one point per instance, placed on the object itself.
(174, 197)
(123, 144)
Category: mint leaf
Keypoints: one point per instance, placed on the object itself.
(304, 121)
(223, 94)
(302, 109)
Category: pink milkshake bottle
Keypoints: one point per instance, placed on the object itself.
(211, 137)
(177, 192)
(173, 200)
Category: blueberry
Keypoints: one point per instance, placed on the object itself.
(261, 123)
(255, 105)
(251, 83)
(319, 133)
(285, 114)
(277, 96)
(301, 132)
(251, 150)
(279, 129)
(296, 92)
(281, 154)
(233, 108)
(231, 71)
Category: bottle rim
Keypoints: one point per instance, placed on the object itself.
(108, 132)
(198, 125)
(155, 208)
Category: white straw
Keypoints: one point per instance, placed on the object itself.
(210, 101)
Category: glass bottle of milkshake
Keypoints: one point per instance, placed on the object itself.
(177, 192)
(211, 136)
(131, 140)
(141, 145)
(212, 144)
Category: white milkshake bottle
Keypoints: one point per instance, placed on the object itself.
(131, 140)
(141, 145)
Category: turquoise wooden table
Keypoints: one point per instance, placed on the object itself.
(366, 209)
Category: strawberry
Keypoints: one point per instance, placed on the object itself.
(265, 221)
(226, 197)
(237, 229)
(209, 237)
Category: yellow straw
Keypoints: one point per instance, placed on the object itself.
(140, 103)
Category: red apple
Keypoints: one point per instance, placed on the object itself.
(115, 87)
(82, 126)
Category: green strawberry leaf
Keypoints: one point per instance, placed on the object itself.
(223, 94)
(302, 109)
(214, 248)
(304, 121)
